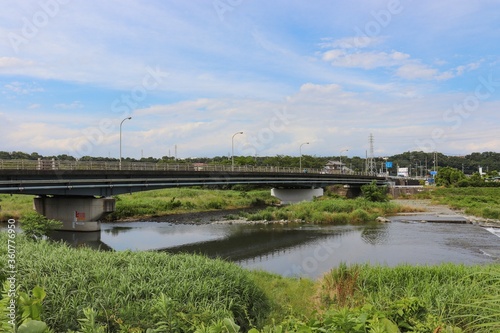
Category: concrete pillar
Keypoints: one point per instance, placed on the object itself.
(294, 195)
(76, 213)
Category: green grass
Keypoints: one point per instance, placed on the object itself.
(137, 288)
(14, 206)
(181, 200)
(287, 296)
(477, 201)
(329, 210)
(463, 296)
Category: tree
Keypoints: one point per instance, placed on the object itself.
(448, 176)
(374, 193)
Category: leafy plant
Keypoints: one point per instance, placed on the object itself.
(35, 225)
(89, 323)
(374, 193)
(30, 305)
(7, 308)
(339, 286)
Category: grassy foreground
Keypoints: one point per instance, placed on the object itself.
(92, 291)
(136, 289)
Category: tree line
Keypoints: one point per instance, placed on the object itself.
(419, 163)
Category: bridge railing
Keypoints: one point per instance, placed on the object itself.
(54, 164)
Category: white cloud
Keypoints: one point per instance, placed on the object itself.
(12, 62)
(328, 116)
(354, 52)
(71, 106)
(415, 70)
(22, 88)
(365, 60)
(412, 71)
(354, 42)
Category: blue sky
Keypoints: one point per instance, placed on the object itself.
(418, 75)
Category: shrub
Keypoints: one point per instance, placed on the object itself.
(374, 193)
(360, 216)
(215, 204)
(35, 225)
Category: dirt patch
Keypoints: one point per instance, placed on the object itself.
(206, 217)
(429, 208)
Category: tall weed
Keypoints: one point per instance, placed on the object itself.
(123, 287)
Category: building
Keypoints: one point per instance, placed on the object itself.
(335, 167)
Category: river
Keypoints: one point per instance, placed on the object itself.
(304, 250)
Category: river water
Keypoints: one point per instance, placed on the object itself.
(304, 250)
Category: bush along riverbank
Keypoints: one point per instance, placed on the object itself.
(157, 203)
(81, 290)
(330, 210)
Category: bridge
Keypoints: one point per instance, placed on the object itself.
(80, 193)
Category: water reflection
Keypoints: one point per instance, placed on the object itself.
(375, 234)
(117, 230)
(256, 242)
(302, 250)
(90, 239)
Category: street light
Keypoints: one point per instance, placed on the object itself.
(232, 149)
(341, 169)
(300, 158)
(121, 140)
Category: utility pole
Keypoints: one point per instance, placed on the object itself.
(372, 169)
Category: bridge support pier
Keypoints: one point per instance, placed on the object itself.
(76, 213)
(294, 195)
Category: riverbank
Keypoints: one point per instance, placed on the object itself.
(440, 211)
(327, 210)
(410, 207)
(202, 217)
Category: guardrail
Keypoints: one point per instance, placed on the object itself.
(142, 166)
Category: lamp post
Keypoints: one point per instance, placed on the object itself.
(341, 169)
(121, 140)
(300, 152)
(232, 149)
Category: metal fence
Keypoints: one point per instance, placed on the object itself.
(142, 166)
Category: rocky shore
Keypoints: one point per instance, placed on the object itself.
(442, 211)
(426, 211)
(206, 217)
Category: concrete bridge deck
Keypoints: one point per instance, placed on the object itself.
(112, 182)
(80, 195)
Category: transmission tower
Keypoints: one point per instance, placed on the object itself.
(371, 168)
